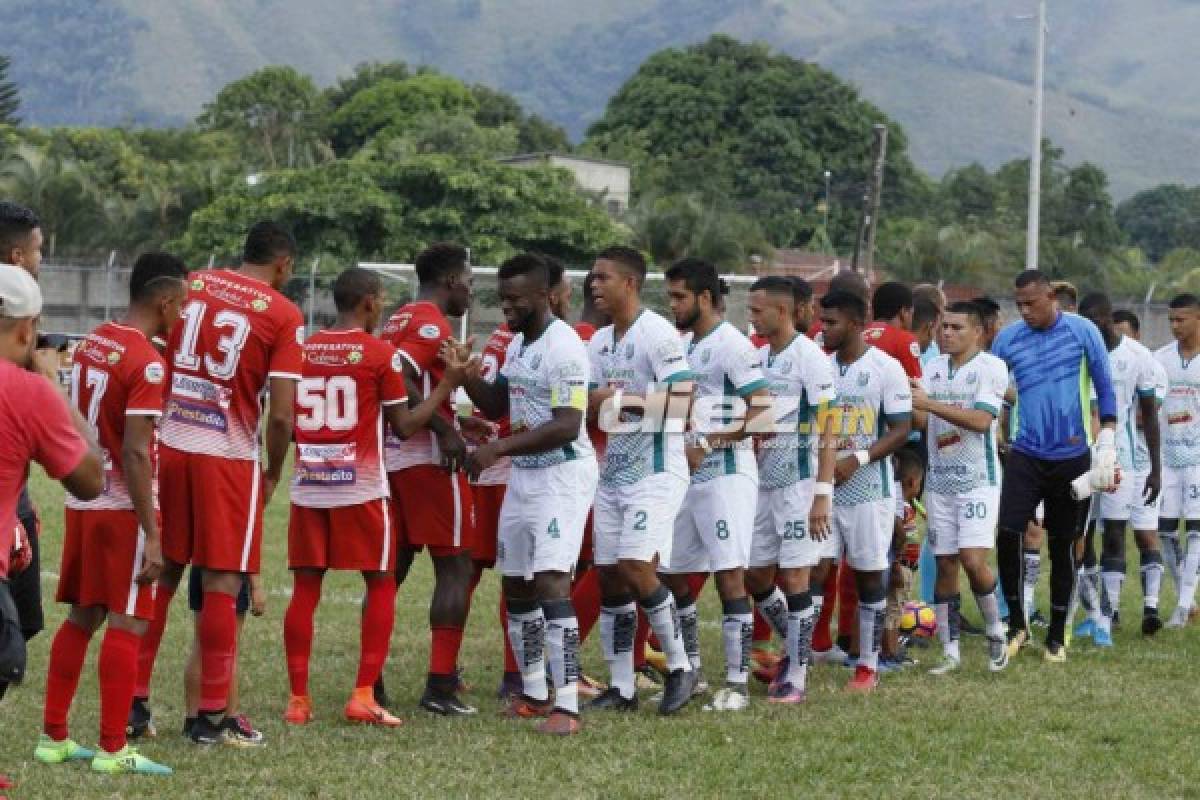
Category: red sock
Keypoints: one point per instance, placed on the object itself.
(510, 660)
(695, 583)
(148, 651)
(640, 637)
(216, 632)
(117, 668)
(585, 596)
(762, 629)
(377, 620)
(848, 607)
(67, 653)
(822, 640)
(298, 627)
(443, 652)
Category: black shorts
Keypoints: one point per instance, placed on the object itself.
(1029, 481)
(26, 586)
(196, 592)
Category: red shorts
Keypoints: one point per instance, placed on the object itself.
(359, 537)
(102, 555)
(436, 510)
(488, 500)
(212, 510)
(585, 548)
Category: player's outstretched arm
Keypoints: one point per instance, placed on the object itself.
(561, 430)
(899, 426)
(1148, 404)
(281, 418)
(405, 420)
(490, 397)
(139, 477)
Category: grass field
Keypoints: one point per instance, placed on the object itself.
(1106, 724)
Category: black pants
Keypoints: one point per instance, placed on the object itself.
(1029, 481)
(26, 586)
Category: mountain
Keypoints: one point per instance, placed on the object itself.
(955, 73)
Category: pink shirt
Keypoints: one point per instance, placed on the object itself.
(35, 425)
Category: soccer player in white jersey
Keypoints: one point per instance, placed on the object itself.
(1134, 380)
(793, 511)
(640, 376)
(871, 419)
(714, 526)
(542, 388)
(1180, 423)
(957, 401)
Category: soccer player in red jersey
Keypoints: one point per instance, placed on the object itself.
(341, 517)
(112, 550)
(238, 338)
(433, 497)
(892, 309)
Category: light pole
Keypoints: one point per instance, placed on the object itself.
(1035, 153)
(825, 224)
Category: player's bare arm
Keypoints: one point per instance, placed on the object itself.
(490, 397)
(976, 420)
(560, 431)
(139, 477)
(281, 417)
(450, 442)
(1148, 408)
(407, 420)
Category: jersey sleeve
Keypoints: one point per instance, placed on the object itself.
(993, 383)
(567, 370)
(57, 446)
(1147, 383)
(745, 369)
(146, 388)
(419, 343)
(1096, 355)
(897, 395)
(818, 378)
(287, 352)
(392, 388)
(667, 359)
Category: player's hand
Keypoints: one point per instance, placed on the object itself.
(819, 517)
(920, 400)
(152, 560)
(258, 596)
(22, 552)
(695, 457)
(455, 353)
(476, 430)
(1153, 486)
(46, 362)
(481, 458)
(454, 450)
(845, 467)
(1104, 461)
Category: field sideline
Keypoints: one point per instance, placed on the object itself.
(1116, 723)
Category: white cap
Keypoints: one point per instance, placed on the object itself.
(20, 297)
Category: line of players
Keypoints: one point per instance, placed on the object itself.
(373, 423)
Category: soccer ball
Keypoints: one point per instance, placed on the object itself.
(918, 619)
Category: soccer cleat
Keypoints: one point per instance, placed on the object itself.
(1179, 618)
(655, 658)
(590, 688)
(1016, 640)
(834, 655)
(560, 723)
(947, 665)
(678, 690)
(864, 681)
(611, 699)
(141, 721)
(646, 678)
(729, 698)
(1151, 622)
(510, 686)
(240, 733)
(1086, 629)
(764, 658)
(364, 709)
(1038, 620)
(787, 694)
(445, 704)
(522, 707)
(1055, 653)
(1102, 638)
(49, 751)
(997, 654)
(188, 722)
(205, 732)
(380, 692)
(299, 710)
(127, 761)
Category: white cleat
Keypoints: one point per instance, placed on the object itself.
(729, 699)
(947, 665)
(1179, 617)
(834, 655)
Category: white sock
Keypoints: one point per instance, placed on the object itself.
(737, 630)
(562, 650)
(1113, 582)
(664, 621)
(774, 608)
(1152, 573)
(989, 608)
(1088, 580)
(527, 632)
(1172, 556)
(947, 609)
(1191, 566)
(689, 625)
(802, 617)
(870, 633)
(618, 626)
(1029, 580)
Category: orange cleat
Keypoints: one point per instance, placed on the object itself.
(299, 710)
(361, 707)
(522, 707)
(864, 681)
(560, 723)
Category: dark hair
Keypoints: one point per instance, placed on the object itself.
(890, 299)
(988, 308)
(909, 462)
(1031, 276)
(774, 284)
(968, 307)
(925, 310)
(354, 285)
(699, 276)
(853, 282)
(1185, 300)
(267, 241)
(1095, 303)
(628, 258)
(438, 260)
(152, 273)
(530, 264)
(556, 272)
(1128, 317)
(589, 302)
(16, 222)
(848, 303)
(802, 290)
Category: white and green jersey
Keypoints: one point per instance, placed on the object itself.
(1132, 377)
(1141, 450)
(870, 391)
(645, 359)
(1179, 419)
(548, 373)
(962, 460)
(726, 367)
(800, 377)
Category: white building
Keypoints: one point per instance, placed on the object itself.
(609, 180)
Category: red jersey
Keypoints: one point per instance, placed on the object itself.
(758, 340)
(117, 373)
(235, 334)
(35, 425)
(897, 343)
(417, 331)
(495, 351)
(348, 377)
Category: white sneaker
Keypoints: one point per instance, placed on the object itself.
(834, 655)
(729, 699)
(1179, 617)
(947, 665)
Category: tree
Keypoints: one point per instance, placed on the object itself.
(59, 191)
(1161, 219)
(10, 99)
(675, 226)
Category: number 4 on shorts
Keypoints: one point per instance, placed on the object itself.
(552, 528)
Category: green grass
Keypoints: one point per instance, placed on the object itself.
(1106, 724)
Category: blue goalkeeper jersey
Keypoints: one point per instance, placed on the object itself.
(1055, 370)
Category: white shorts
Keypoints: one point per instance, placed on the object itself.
(714, 527)
(635, 522)
(964, 520)
(1180, 493)
(542, 518)
(1126, 503)
(864, 533)
(781, 528)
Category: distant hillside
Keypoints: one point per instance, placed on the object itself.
(954, 72)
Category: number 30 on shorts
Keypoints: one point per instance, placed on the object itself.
(975, 510)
